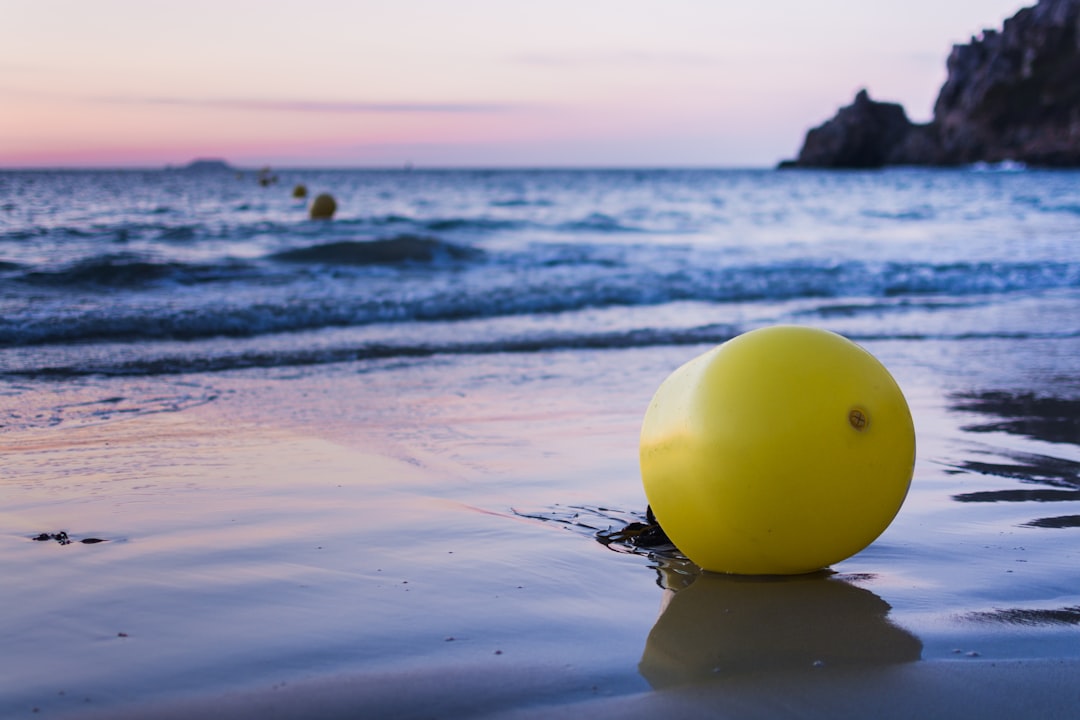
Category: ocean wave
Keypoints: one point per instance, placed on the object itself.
(24, 234)
(262, 301)
(77, 232)
(1049, 206)
(179, 233)
(119, 231)
(126, 270)
(212, 360)
(521, 202)
(1005, 166)
(386, 251)
(976, 278)
(476, 224)
(206, 362)
(392, 220)
(925, 212)
(598, 222)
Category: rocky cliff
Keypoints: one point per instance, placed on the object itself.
(1011, 95)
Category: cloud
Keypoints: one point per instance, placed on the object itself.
(314, 106)
(627, 58)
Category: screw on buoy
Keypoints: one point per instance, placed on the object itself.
(858, 419)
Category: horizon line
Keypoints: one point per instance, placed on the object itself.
(403, 167)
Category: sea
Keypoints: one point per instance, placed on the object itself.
(165, 272)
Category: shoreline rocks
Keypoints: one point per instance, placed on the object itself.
(1010, 96)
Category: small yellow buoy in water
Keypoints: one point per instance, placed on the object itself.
(323, 207)
(779, 452)
(300, 191)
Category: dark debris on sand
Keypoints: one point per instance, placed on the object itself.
(625, 532)
(64, 539)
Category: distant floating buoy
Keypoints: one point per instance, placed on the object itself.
(300, 191)
(267, 178)
(323, 207)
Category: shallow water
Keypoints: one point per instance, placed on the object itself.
(353, 513)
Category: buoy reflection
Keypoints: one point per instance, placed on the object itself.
(716, 626)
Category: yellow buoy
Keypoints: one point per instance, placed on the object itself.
(323, 207)
(781, 451)
(300, 191)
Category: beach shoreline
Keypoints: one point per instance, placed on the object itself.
(320, 541)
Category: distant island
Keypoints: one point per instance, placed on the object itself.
(1010, 96)
(207, 165)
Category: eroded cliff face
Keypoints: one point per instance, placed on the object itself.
(1015, 94)
(1012, 94)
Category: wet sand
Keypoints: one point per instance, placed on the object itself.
(992, 690)
(369, 539)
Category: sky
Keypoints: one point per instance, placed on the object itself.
(451, 83)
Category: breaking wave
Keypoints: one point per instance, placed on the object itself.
(389, 251)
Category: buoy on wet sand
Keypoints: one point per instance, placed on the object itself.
(323, 207)
(779, 452)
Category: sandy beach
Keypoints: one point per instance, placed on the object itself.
(1034, 688)
(370, 542)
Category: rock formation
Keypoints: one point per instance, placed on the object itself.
(207, 165)
(865, 134)
(1012, 95)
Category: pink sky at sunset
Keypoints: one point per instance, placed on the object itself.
(478, 82)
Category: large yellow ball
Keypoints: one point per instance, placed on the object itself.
(779, 452)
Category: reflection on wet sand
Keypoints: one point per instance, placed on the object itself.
(1029, 616)
(721, 625)
(1053, 419)
(1018, 496)
(1058, 521)
(1046, 418)
(1028, 468)
(1049, 419)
